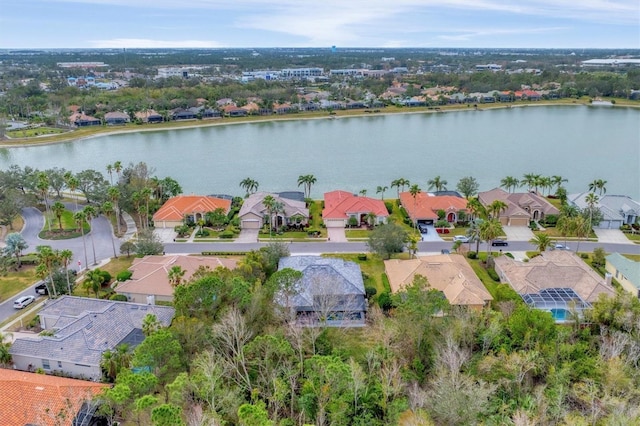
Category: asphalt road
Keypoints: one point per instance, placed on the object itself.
(102, 236)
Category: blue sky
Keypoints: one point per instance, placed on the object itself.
(309, 23)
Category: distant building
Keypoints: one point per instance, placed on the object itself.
(173, 72)
(301, 72)
(82, 64)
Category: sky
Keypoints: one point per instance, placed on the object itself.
(312, 23)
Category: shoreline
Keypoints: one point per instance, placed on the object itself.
(29, 142)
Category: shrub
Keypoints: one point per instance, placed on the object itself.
(227, 235)
(389, 206)
(384, 301)
(472, 255)
(362, 256)
(509, 255)
(584, 255)
(106, 277)
(493, 274)
(124, 275)
(118, 297)
(202, 233)
(370, 291)
(551, 219)
(312, 231)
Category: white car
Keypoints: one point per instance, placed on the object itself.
(23, 301)
(561, 247)
(461, 238)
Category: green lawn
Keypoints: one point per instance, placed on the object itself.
(498, 291)
(14, 282)
(633, 237)
(69, 227)
(373, 267)
(29, 133)
(357, 233)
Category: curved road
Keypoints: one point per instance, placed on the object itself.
(103, 238)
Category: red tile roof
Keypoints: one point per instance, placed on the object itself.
(426, 206)
(175, 208)
(338, 205)
(30, 398)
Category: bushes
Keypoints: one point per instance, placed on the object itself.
(389, 206)
(493, 274)
(370, 291)
(362, 256)
(118, 298)
(472, 255)
(227, 234)
(124, 275)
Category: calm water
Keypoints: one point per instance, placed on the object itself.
(577, 142)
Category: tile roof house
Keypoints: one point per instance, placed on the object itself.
(150, 279)
(331, 292)
(80, 119)
(522, 207)
(625, 271)
(149, 116)
(116, 117)
(552, 271)
(424, 208)
(447, 273)
(617, 210)
(38, 399)
(190, 207)
(83, 329)
(340, 206)
(254, 214)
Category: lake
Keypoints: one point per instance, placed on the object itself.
(580, 143)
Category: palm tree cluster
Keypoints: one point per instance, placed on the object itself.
(49, 261)
(533, 182)
(307, 181)
(249, 185)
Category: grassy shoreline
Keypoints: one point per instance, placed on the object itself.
(97, 131)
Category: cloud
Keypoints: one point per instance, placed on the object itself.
(148, 43)
(467, 34)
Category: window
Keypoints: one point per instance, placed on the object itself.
(45, 364)
(59, 364)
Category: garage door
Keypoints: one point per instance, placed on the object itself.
(250, 224)
(333, 223)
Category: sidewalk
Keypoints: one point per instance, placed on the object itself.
(132, 229)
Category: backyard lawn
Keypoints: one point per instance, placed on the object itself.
(14, 282)
(373, 267)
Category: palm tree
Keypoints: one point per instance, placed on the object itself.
(363, 192)
(557, 181)
(80, 217)
(545, 182)
(117, 167)
(400, 183)
(269, 202)
(474, 234)
(48, 260)
(307, 181)
(249, 185)
(496, 208)
(437, 183)
(414, 190)
(490, 230)
(72, 183)
(110, 171)
(90, 214)
(592, 201)
(145, 195)
(93, 281)
(371, 218)
(530, 180)
(396, 183)
(43, 187)
(541, 241)
(175, 275)
(114, 195)
(598, 185)
(580, 228)
(380, 190)
(509, 183)
(58, 208)
(65, 257)
(107, 209)
(476, 208)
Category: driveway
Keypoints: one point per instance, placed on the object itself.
(614, 236)
(166, 235)
(337, 235)
(518, 233)
(432, 235)
(247, 236)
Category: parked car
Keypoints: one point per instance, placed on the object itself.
(42, 289)
(461, 238)
(423, 228)
(23, 301)
(561, 247)
(499, 243)
(445, 251)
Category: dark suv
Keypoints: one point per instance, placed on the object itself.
(42, 289)
(423, 228)
(499, 243)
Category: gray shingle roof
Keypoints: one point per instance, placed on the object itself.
(88, 327)
(323, 278)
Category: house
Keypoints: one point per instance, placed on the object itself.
(183, 114)
(625, 271)
(150, 280)
(189, 208)
(82, 330)
(116, 118)
(234, 111)
(38, 399)
(80, 119)
(522, 207)
(254, 214)
(557, 281)
(617, 210)
(330, 292)
(340, 206)
(425, 206)
(447, 273)
(149, 116)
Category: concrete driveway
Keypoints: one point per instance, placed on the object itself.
(614, 236)
(432, 235)
(518, 233)
(166, 235)
(337, 235)
(247, 236)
